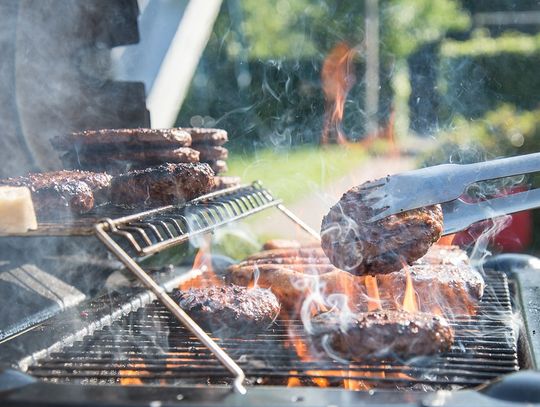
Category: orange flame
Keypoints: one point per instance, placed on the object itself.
(337, 80)
(129, 377)
(409, 299)
(203, 263)
(374, 300)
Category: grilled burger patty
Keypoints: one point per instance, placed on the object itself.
(454, 290)
(226, 182)
(207, 136)
(126, 160)
(359, 246)
(451, 286)
(229, 308)
(162, 185)
(219, 166)
(120, 139)
(212, 153)
(381, 335)
(54, 192)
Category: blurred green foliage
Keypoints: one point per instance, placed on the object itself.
(504, 132)
(479, 74)
(259, 77)
(407, 24)
(301, 28)
(481, 44)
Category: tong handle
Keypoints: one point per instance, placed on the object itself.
(503, 167)
(458, 215)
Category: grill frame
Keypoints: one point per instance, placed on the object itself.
(524, 277)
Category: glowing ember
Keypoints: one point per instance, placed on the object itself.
(130, 377)
(293, 381)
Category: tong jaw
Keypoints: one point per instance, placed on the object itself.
(413, 189)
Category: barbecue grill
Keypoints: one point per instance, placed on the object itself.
(128, 346)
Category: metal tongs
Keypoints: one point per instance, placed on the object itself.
(445, 184)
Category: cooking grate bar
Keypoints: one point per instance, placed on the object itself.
(149, 346)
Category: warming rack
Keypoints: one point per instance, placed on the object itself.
(146, 233)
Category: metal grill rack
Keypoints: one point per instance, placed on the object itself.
(149, 347)
(150, 232)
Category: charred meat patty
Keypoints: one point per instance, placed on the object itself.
(54, 192)
(165, 184)
(229, 308)
(381, 335)
(359, 246)
(121, 139)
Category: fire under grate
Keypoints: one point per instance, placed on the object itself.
(150, 347)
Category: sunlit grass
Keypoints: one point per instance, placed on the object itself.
(292, 174)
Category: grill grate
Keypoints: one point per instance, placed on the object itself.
(150, 232)
(150, 347)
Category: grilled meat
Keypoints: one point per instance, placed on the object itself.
(120, 161)
(212, 153)
(359, 246)
(229, 309)
(452, 290)
(439, 254)
(219, 166)
(281, 244)
(381, 335)
(274, 244)
(226, 182)
(286, 261)
(441, 286)
(122, 139)
(302, 252)
(292, 285)
(209, 137)
(162, 185)
(54, 192)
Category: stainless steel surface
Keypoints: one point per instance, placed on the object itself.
(459, 215)
(299, 221)
(153, 231)
(441, 183)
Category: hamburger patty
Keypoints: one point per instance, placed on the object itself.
(381, 335)
(162, 185)
(118, 161)
(226, 182)
(229, 309)
(121, 139)
(439, 254)
(359, 246)
(212, 153)
(219, 166)
(453, 289)
(54, 192)
(206, 136)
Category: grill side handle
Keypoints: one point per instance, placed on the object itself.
(167, 301)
